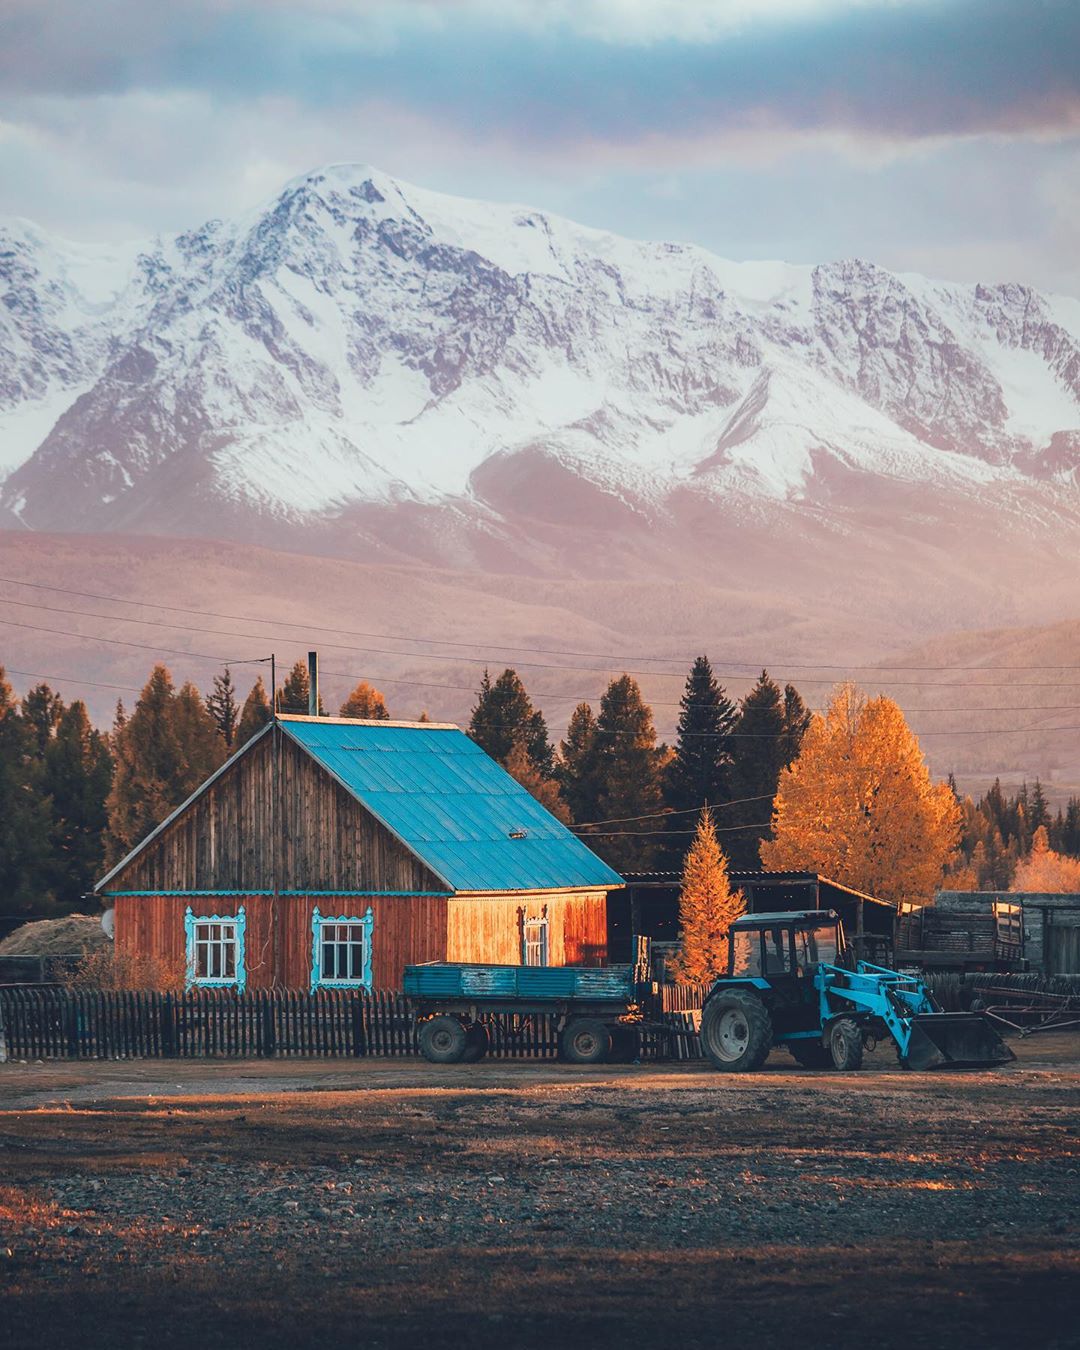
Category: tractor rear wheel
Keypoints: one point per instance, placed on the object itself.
(811, 1054)
(585, 1041)
(736, 1031)
(443, 1040)
(846, 1044)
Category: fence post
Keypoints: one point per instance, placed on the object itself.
(268, 1042)
(168, 1027)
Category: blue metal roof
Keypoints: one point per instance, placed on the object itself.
(453, 805)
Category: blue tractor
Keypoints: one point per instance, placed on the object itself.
(791, 981)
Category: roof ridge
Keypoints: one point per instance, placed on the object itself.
(367, 722)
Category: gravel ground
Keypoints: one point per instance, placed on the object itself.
(386, 1204)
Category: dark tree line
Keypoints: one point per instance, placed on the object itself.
(998, 830)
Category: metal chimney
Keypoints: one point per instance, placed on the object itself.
(313, 684)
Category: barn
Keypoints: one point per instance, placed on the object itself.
(330, 852)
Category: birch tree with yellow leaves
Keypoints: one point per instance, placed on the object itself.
(859, 805)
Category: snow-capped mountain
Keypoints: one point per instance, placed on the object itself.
(366, 363)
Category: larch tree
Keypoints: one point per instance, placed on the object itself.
(545, 790)
(859, 805)
(365, 701)
(1045, 871)
(504, 715)
(255, 713)
(578, 770)
(700, 770)
(708, 906)
(77, 778)
(203, 748)
(630, 770)
(223, 707)
(25, 817)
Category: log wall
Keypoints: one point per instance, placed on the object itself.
(490, 929)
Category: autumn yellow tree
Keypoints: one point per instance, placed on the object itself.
(859, 804)
(707, 907)
(365, 701)
(1045, 871)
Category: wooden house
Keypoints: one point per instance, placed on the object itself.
(333, 852)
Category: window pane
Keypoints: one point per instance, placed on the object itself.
(747, 954)
(777, 959)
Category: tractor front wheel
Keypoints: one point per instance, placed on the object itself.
(846, 1044)
(736, 1031)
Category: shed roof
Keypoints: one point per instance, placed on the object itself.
(457, 809)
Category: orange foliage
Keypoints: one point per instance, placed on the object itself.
(1046, 872)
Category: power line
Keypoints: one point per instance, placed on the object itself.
(71, 679)
(646, 834)
(141, 646)
(612, 659)
(685, 811)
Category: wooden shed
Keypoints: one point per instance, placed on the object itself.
(330, 852)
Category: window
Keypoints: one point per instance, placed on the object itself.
(215, 949)
(814, 945)
(534, 941)
(341, 951)
(777, 956)
(746, 953)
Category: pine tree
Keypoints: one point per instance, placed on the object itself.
(578, 769)
(365, 701)
(293, 694)
(255, 714)
(25, 816)
(630, 771)
(707, 907)
(504, 715)
(699, 772)
(859, 805)
(760, 744)
(167, 747)
(42, 709)
(545, 790)
(77, 778)
(223, 708)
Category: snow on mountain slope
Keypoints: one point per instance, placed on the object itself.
(359, 348)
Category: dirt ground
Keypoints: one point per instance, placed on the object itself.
(385, 1204)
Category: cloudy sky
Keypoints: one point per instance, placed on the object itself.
(935, 135)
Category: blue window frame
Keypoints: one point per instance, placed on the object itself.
(215, 950)
(341, 950)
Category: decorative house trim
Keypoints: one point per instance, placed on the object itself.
(318, 920)
(239, 921)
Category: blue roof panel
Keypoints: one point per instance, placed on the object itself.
(453, 805)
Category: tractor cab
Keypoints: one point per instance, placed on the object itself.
(789, 944)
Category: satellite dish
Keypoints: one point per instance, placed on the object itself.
(108, 923)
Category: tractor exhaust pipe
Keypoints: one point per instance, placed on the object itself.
(954, 1041)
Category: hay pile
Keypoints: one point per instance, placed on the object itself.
(77, 934)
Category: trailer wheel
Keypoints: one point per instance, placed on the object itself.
(585, 1041)
(736, 1031)
(477, 1045)
(811, 1054)
(443, 1040)
(846, 1044)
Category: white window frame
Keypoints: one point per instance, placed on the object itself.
(237, 923)
(321, 922)
(537, 943)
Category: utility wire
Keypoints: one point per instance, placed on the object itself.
(71, 679)
(685, 811)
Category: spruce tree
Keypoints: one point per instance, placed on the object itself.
(1038, 808)
(630, 769)
(578, 769)
(25, 816)
(504, 715)
(699, 772)
(797, 718)
(365, 701)
(42, 709)
(760, 743)
(77, 779)
(707, 907)
(255, 714)
(223, 707)
(293, 694)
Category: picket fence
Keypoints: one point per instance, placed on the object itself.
(51, 1022)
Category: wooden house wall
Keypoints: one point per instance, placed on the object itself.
(489, 929)
(225, 841)
(405, 929)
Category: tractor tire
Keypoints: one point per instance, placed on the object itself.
(811, 1054)
(443, 1040)
(585, 1041)
(478, 1043)
(736, 1031)
(846, 1044)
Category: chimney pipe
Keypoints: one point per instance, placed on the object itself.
(313, 684)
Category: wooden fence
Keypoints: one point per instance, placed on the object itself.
(50, 1022)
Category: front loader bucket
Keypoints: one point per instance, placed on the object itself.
(954, 1041)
